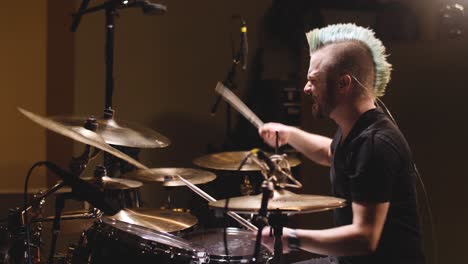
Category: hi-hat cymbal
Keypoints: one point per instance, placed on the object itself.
(283, 200)
(108, 183)
(80, 134)
(159, 220)
(168, 176)
(231, 161)
(119, 132)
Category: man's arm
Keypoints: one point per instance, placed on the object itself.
(314, 147)
(359, 238)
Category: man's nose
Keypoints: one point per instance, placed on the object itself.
(308, 88)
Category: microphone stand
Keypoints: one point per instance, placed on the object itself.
(229, 83)
(276, 219)
(261, 219)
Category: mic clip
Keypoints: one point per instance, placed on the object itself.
(275, 168)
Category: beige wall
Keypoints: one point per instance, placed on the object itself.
(23, 73)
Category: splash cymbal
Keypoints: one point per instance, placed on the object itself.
(80, 134)
(231, 161)
(119, 132)
(283, 200)
(159, 220)
(168, 176)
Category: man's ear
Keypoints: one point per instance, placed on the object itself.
(345, 83)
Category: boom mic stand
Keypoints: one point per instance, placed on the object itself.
(229, 80)
(275, 178)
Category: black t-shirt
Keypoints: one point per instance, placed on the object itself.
(374, 164)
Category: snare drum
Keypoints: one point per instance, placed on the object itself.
(240, 244)
(112, 241)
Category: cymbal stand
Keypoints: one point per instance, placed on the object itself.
(77, 165)
(110, 7)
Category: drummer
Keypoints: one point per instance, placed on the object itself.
(370, 162)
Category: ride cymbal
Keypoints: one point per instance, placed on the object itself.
(119, 132)
(283, 200)
(159, 220)
(168, 176)
(231, 161)
(80, 134)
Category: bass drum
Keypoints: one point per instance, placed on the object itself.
(112, 241)
(240, 244)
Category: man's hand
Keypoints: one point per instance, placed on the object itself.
(268, 133)
(269, 241)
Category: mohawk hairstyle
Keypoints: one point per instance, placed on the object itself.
(318, 38)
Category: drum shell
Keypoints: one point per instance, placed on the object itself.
(107, 242)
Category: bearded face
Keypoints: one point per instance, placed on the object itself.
(324, 100)
(323, 88)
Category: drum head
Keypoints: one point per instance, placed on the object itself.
(240, 243)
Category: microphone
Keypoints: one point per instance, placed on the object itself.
(147, 7)
(85, 190)
(244, 45)
(263, 156)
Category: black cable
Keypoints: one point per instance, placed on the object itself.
(226, 206)
(381, 104)
(26, 203)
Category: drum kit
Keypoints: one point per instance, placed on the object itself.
(163, 235)
(123, 232)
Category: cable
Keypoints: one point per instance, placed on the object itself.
(226, 205)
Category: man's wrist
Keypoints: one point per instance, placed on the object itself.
(294, 244)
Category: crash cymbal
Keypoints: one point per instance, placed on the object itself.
(159, 220)
(119, 132)
(283, 200)
(80, 134)
(108, 183)
(168, 176)
(231, 161)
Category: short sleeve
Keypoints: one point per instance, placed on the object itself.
(374, 171)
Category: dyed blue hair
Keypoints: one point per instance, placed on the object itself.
(318, 38)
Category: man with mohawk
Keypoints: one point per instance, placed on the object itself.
(370, 161)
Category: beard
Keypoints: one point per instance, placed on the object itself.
(323, 105)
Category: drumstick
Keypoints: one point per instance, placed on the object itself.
(207, 197)
(237, 104)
